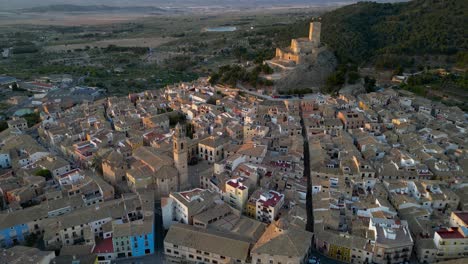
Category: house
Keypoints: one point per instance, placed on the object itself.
(181, 207)
(393, 241)
(211, 148)
(133, 239)
(268, 206)
(15, 226)
(159, 121)
(185, 243)
(282, 243)
(18, 123)
(351, 119)
(236, 193)
(22, 255)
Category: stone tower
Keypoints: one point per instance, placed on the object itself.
(314, 32)
(181, 156)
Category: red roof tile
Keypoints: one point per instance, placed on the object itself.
(452, 233)
(104, 246)
(463, 216)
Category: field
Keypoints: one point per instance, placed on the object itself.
(130, 42)
(131, 53)
(8, 19)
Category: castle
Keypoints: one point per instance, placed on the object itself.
(302, 50)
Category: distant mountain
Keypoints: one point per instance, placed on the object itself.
(90, 8)
(367, 30)
(18, 4)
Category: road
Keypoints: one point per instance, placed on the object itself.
(267, 97)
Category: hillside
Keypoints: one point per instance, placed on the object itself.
(386, 33)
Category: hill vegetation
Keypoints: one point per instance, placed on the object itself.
(387, 34)
(232, 74)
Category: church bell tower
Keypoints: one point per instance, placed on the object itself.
(181, 155)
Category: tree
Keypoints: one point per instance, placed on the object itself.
(335, 80)
(174, 119)
(31, 240)
(3, 125)
(369, 84)
(362, 31)
(353, 76)
(211, 101)
(398, 70)
(44, 173)
(240, 53)
(190, 130)
(32, 118)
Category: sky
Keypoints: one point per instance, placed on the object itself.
(16, 4)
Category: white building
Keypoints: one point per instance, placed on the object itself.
(180, 207)
(268, 206)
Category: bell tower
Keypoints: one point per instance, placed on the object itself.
(181, 155)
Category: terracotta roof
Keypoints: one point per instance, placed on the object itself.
(452, 233)
(104, 246)
(463, 216)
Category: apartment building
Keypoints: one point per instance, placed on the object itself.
(236, 193)
(268, 206)
(393, 241)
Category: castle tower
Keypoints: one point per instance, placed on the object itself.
(181, 155)
(314, 32)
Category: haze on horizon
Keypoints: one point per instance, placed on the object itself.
(18, 4)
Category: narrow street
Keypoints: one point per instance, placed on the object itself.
(309, 206)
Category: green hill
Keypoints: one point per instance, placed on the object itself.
(391, 33)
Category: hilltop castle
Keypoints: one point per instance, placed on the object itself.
(302, 50)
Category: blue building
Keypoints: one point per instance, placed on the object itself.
(134, 239)
(142, 237)
(16, 225)
(142, 243)
(10, 236)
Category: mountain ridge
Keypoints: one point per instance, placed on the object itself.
(21, 4)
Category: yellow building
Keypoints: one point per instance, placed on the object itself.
(250, 209)
(343, 247)
(339, 252)
(236, 193)
(459, 219)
